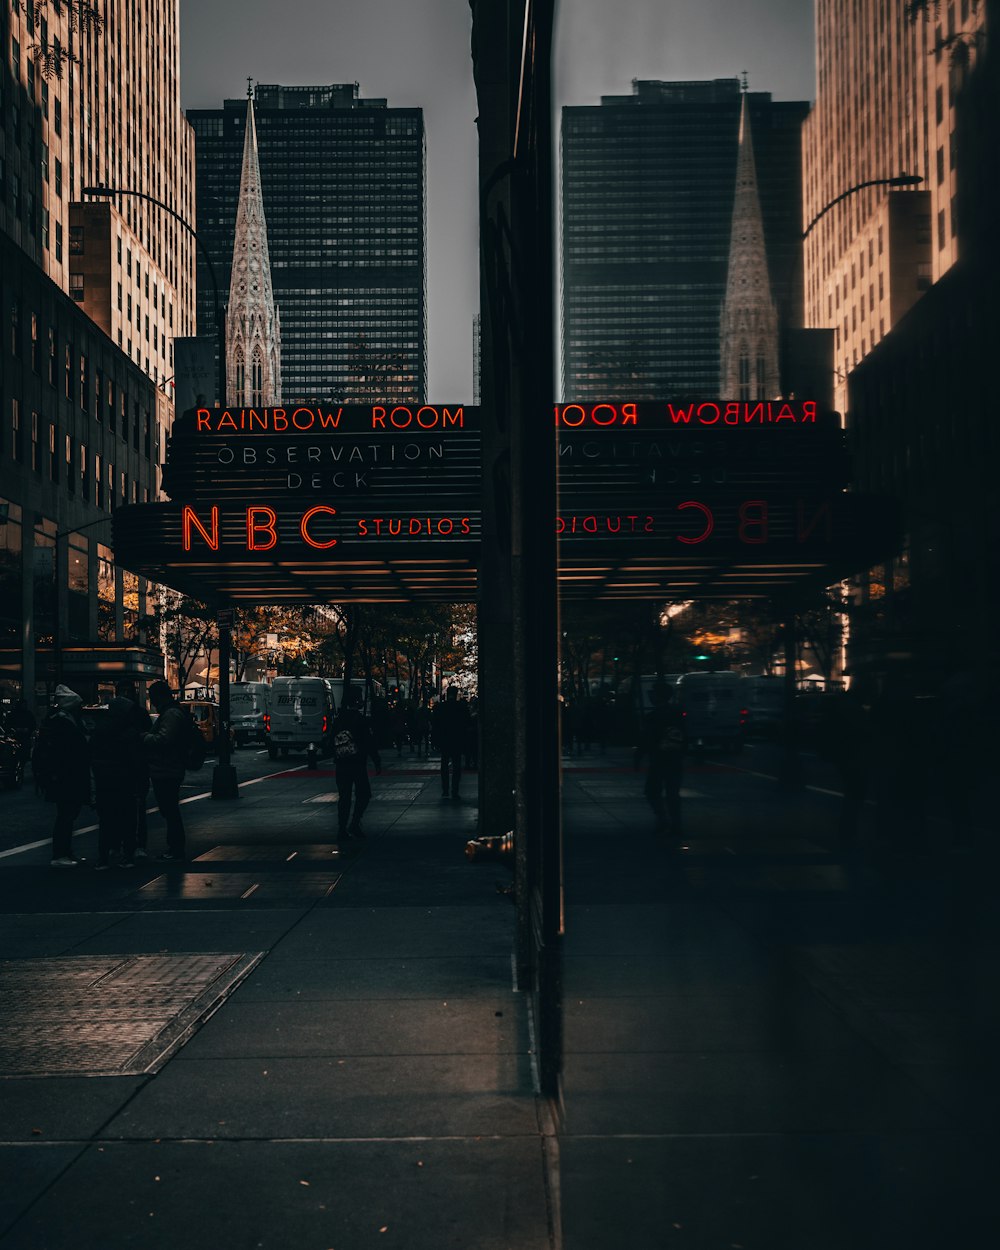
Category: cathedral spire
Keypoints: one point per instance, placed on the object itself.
(253, 329)
(748, 329)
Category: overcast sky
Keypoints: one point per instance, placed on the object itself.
(415, 53)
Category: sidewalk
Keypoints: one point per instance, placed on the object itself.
(767, 1047)
(342, 1059)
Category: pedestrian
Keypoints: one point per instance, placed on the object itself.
(353, 744)
(117, 759)
(662, 745)
(421, 729)
(450, 729)
(129, 690)
(166, 747)
(60, 764)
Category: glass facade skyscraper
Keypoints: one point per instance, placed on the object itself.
(344, 192)
(647, 198)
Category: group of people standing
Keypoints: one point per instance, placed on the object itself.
(111, 764)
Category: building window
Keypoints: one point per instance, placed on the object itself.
(70, 477)
(34, 342)
(942, 229)
(84, 383)
(59, 241)
(78, 587)
(76, 287)
(15, 429)
(76, 240)
(744, 376)
(84, 479)
(105, 594)
(98, 482)
(53, 457)
(36, 450)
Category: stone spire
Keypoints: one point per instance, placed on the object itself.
(253, 329)
(748, 330)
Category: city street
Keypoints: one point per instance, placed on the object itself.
(752, 1022)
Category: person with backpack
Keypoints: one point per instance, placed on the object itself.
(353, 743)
(167, 748)
(117, 762)
(60, 764)
(662, 745)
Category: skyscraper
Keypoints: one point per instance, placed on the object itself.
(342, 180)
(92, 296)
(648, 185)
(885, 105)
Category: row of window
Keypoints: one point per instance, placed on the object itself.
(39, 445)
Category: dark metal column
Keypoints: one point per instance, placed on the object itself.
(511, 49)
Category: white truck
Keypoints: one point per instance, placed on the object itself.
(249, 704)
(301, 714)
(714, 715)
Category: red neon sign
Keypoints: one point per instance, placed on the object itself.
(256, 525)
(304, 526)
(188, 519)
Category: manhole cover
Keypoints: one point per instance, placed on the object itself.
(108, 1016)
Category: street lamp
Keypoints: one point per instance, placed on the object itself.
(897, 180)
(220, 325)
(224, 783)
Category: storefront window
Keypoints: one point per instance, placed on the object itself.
(105, 594)
(44, 582)
(10, 584)
(130, 605)
(78, 587)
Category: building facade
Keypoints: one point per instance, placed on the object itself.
(908, 282)
(343, 189)
(888, 75)
(92, 295)
(648, 187)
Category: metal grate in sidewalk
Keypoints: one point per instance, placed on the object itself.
(83, 1015)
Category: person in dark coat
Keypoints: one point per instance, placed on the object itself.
(117, 762)
(353, 744)
(662, 745)
(60, 763)
(166, 751)
(451, 730)
(129, 690)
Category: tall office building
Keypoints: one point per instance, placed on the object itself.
(907, 279)
(648, 187)
(92, 295)
(342, 180)
(885, 106)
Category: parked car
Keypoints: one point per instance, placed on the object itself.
(206, 716)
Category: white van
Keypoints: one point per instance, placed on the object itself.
(714, 715)
(249, 703)
(764, 699)
(301, 712)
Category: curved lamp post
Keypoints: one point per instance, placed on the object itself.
(224, 783)
(897, 180)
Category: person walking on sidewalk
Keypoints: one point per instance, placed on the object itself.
(451, 729)
(662, 745)
(166, 752)
(60, 764)
(353, 744)
(117, 761)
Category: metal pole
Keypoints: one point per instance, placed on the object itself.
(224, 782)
